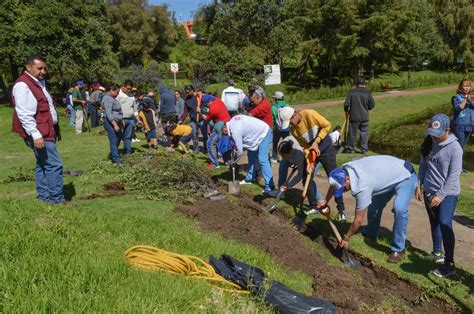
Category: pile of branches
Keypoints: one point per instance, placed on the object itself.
(167, 176)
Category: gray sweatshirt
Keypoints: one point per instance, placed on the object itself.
(113, 110)
(441, 170)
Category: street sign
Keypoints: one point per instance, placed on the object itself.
(174, 68)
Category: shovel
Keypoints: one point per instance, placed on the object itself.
(272, 207)
(349, 261)
(234, 186)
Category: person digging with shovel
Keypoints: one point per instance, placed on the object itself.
(310, 129)
(373, 181)
(293, 155)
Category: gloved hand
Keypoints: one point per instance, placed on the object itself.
(299, 220)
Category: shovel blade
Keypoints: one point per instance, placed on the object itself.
(271, 208)
(351, 263)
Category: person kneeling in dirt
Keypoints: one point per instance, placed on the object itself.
(311, 130)
(149, 125)
(256, 136)
(180, 134)
(293, 154)
(373, 181)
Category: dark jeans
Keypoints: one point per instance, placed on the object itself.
(114, 140)
(463, 137)
(49, 172)
(328, 160)
(93, 114)
(441, 221)
(204, 126)
(277, 135)
(363, 128)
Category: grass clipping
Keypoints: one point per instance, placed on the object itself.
(166, 176)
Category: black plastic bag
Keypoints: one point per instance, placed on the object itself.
(275, 293)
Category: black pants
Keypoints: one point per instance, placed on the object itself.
(328, 161)
(363, 128)
(93, 114)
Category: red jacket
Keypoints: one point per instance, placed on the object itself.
(43, 117)
(218, 112)
(263, 111)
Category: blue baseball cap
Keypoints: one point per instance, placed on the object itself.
(337, 179)
(438, 125)
(207, 98)
(81, 83)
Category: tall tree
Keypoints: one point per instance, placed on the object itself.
(71, 35)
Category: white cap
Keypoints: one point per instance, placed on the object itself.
(278, 95)
(284, 116)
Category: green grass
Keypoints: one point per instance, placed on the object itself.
(70, 258)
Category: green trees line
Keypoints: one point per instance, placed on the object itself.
(316, 42)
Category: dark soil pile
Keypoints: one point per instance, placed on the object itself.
(370, 285)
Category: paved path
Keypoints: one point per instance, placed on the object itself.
(418, 234)
(394, 93)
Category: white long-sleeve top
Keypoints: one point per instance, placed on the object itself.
(232, 98)
(247, 132)
(26, 106)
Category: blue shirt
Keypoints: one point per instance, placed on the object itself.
(374, 175)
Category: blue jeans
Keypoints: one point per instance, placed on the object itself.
(49, 172)
(262, 154)
(195, 127)
(441, 221)
(403, 192)
(314, 195)
(212, 148)
(463, 136)
(72, 114)
(114, 140)
(127, 135)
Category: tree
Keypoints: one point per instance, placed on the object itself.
(72, 36)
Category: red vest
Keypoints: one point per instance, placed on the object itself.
(43, 117)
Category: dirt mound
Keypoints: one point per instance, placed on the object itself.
(351, 291)
(114, 186)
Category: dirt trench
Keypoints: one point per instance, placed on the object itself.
(360, 292)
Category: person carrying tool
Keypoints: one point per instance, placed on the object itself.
(293, 155)
(311, 130)
(256, 136)
(373, 181)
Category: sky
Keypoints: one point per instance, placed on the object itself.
(183, 8)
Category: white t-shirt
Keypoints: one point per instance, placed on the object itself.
(232, 98)
(247, 132)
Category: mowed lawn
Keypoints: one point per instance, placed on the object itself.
(70, 258)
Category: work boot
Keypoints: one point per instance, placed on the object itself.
(396, 257)
(299, 220)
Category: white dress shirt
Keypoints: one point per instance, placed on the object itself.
(26, 106)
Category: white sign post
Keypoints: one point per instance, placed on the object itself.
(272, 74)
(174, 69)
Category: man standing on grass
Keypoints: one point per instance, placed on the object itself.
(311, 131)
(79, 102)
(356, 107)
(373, 181)
(130, 113)
(36, 120)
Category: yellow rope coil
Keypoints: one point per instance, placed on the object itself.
(152, 258)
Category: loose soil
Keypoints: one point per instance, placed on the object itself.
(111, 189)
(351, 291)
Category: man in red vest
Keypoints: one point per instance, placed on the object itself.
(36, 120)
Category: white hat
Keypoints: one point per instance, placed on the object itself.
(284, 116)
(278, 95)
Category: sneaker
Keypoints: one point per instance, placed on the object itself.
(312, 211)
(244, 182)
(436, 257)
(212, 166)
(396, 257)
(444, 270)
(275, 160)
(341, 216)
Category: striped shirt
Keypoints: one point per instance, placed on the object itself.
(374, 175)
